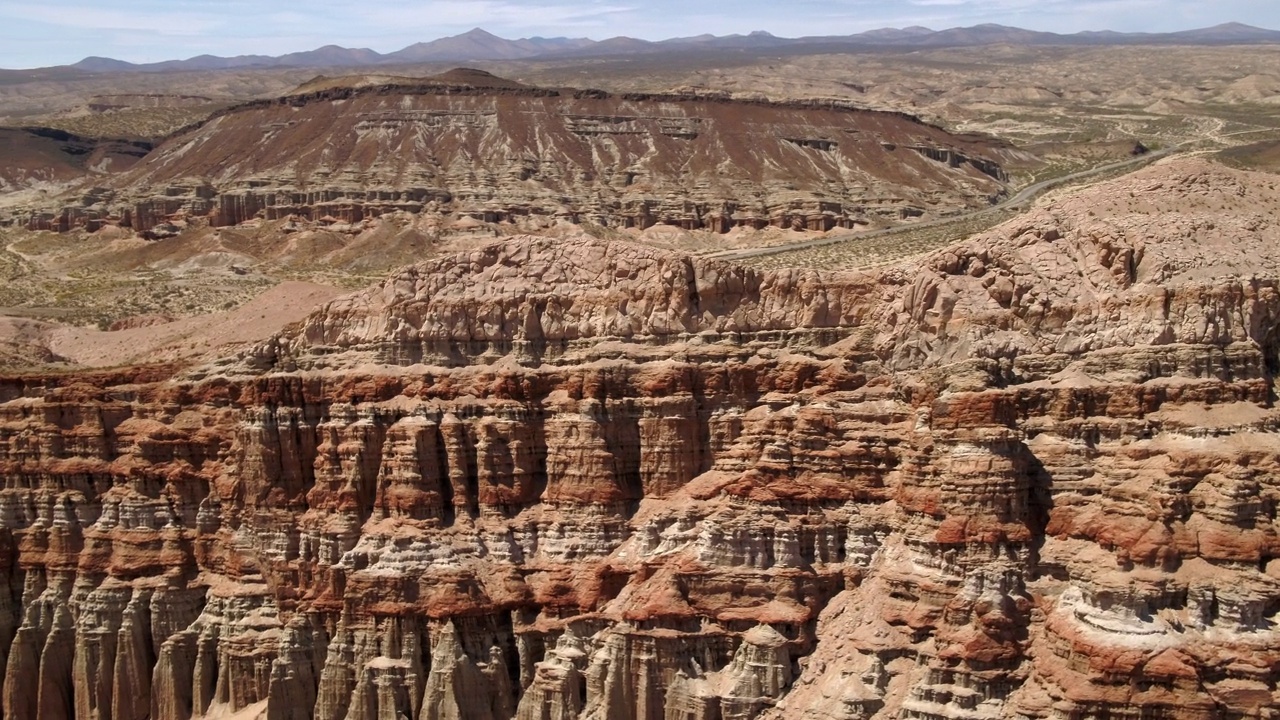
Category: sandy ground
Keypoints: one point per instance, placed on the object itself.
(201, 337)
(250, 712)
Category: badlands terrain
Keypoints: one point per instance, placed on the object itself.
(928, 383)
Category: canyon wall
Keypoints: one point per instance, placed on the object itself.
(1031, 476)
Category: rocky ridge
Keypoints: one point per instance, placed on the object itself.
(1030, 476)
(473, 145)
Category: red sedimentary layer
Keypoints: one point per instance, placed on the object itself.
(961, 489)
(514, 153)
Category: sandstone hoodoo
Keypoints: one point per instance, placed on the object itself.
(1030, 476)
(475, 145)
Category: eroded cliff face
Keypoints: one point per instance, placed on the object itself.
(35, 156)
(682, 491)
(496, 151)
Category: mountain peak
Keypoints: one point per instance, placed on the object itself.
(478, 44)
(95, 63)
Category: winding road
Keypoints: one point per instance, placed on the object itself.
(1016, 201)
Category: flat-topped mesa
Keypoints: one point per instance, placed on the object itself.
(474, 145)
(541, 300)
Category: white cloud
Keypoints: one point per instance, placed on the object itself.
(100, 17)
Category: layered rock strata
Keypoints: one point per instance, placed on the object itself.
(496, 151)
(1032, 476)
(40, 156)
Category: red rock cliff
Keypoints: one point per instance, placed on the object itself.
(1031, 476)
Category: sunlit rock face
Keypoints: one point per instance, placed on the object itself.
(1031, 476)
(474, 145)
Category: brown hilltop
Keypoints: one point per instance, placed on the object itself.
(475, 78)
(467, 142)
(457, 77)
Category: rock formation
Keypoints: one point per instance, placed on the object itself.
(494, 150)
(32, 156)
(1030, 476)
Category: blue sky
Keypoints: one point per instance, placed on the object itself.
(36, 34)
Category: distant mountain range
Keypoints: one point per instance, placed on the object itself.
(481, 45)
